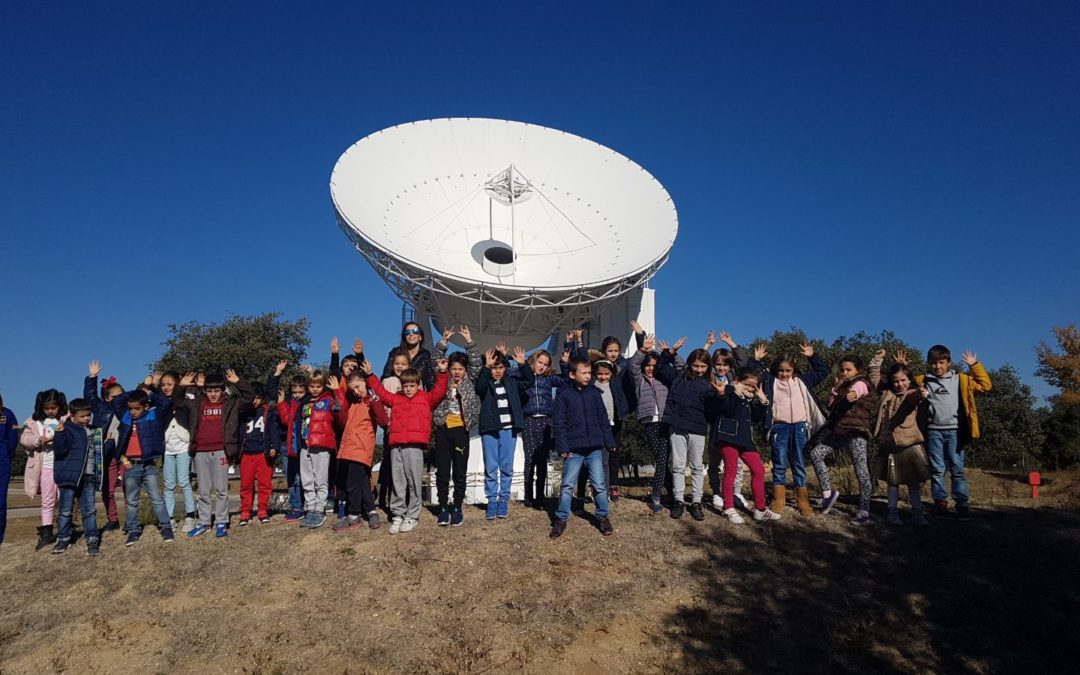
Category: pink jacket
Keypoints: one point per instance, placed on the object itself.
(34, 437)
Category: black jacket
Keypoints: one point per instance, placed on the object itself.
(516, 387)
(733, 423)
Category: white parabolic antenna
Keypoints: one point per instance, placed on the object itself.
(516, 230)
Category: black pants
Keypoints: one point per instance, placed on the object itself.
(451, 457)
(353, 481)
(613, 464)
(656, 436)
(537, 441)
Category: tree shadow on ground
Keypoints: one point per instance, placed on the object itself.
(997, 594)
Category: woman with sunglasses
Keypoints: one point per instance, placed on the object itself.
(412, 343)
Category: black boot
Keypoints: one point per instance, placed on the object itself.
(45, 537)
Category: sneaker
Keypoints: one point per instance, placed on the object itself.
(941, 508)
(894, 518)
(918, 519)
(373, 521)
(861, 518)
(293, 515)
(696, 511)
(395, 525)
(444, 516)
(765, 514)
(93, 547)
(718, 502)
(317, 520)
(502, 509)
(741, 503)
(828, 501)
(733, 516)
(244, 521)
(265, 520)
(613, 494)
(655, 506)
(132, 538)
(605, 527)
(409, 525)
(309, 519)
(491, 506)
(61, 545)
(198, 529)
(677, 510)
(189, 525)
(557, 528)
(529, 504)
(347, 523)
(963, 512)
(111, 526)
(456, 517)
(167, 535)
(221, 530)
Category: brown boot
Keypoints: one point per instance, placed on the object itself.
(802, 500)
(779, 492)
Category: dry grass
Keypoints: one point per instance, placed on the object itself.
(993, 595)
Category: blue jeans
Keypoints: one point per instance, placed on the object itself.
(788, 449)
(944, 451)
(143, 475)
(86, 493)
(177, 473)
(571, 469)
(290, 466)
(498, 464)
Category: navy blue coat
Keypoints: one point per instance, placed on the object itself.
(262, 430)
(733, 423)
(69, 454)
(540, 397)
(623, 392)
(686, 409)
(489, 406)
(580, 422)
(151, 431)
(103, 415)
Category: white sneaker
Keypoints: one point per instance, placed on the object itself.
(734, 516)
(189, 524)
(767, 514)
(395, 525)
(409, 525)
(741, 502)
(718, 502)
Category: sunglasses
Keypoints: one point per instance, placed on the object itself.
(412, 331)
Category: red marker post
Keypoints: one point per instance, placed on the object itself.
(1035, 480)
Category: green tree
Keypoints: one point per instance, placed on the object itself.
(252, 345)
(1061, 426)
(1011, 427)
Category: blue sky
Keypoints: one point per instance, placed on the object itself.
(836, 166)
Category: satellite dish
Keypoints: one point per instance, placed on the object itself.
(516, 230)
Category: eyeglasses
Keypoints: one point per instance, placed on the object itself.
(412, 331)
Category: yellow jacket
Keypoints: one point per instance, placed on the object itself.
(977, 382)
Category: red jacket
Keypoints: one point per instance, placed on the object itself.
(411, 422)
(320, 428)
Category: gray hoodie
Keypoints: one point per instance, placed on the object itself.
(944, 399)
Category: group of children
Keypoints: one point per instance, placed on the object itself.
(323, 427)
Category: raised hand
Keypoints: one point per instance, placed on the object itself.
(636, 326)
(148, 380)
(519, 355)
(970, 358)
(570, 336)
(280, 368)
(200, 379)
(187, 380)
(157, 379)
(280, 395)
(710, 340)
(333, 382)
(95, 368)
(678, 344)
(443, 365)
(231, 376)
(649, 343)
(464, 332)
(335, 346)
(879, 355)
(358, 346)
(901, 356)
(760, 352)
(366, 368)
(565, 358)
(806, 349)
(489, 358)
(578, 332)
(663, 345)
(307, 369)
(726, 338)
(502, 347)
(447, 333)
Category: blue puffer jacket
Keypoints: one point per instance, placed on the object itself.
(580, 422)
(734, 420)
(69, 454)
(685, 410)
(539, 398)
(151, 433)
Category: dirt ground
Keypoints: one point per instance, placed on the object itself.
(997, 594)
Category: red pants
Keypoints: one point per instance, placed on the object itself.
(731, 469)
(114, 473)
(255, 469)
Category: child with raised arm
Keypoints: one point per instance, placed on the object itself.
(38, 432)
(536, 409)
(582, 434)
(356, 453)
(652, 396)
(215, 439)
(112, 472)
(458, 412)
(901, 419)
(77, 465)
(408, 437)
(140, 444)
(501, 420)
(848, 426)
(733, 434)
(953, 423)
